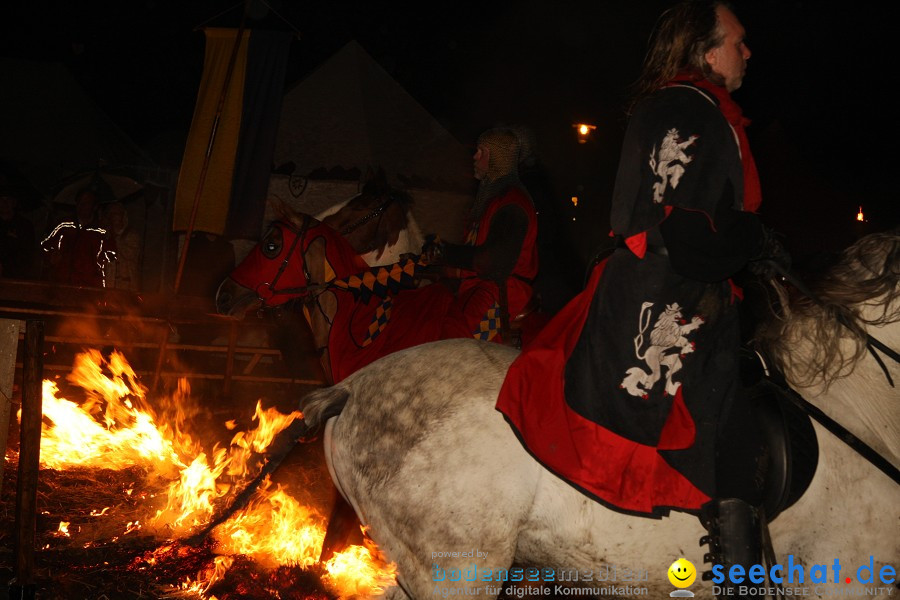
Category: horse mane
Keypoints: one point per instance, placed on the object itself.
(379, 231)
(809, 342)
(378, 187)
(393, 217)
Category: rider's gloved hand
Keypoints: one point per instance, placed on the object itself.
(772, 259)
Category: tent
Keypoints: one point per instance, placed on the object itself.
(351, 114)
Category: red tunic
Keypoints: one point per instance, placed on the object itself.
(477, 296)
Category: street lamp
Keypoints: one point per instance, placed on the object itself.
(584, 131)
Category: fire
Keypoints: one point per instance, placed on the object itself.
(190, 499)
(209, 577)
(63, 529)
(116, 428)
(72, 435)
(245, 443)
(276, 530)
(360, 571)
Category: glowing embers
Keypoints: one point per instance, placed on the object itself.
(164, 484)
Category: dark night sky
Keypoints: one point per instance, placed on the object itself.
(815, 86)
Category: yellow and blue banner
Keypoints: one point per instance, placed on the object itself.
(232, 201)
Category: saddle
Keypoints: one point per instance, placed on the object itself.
(788, 434)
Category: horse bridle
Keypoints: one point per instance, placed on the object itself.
(377, 212)
(302, 290)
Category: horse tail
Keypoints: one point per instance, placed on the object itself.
(319, 406)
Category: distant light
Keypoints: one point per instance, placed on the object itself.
(573, 218)
(584, 131)
(574, 200)
(860, 216)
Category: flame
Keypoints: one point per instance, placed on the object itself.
(208, 577)
(132, 526)
(584, 131)
(115, 428)
(245, 443)
(278, 530)
(72, 436)
(221, 564)
(360, 571)
(190, 499)
(275, 530)
(63, 529)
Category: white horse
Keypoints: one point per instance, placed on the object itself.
(447, 492)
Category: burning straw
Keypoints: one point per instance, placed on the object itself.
(121, 484)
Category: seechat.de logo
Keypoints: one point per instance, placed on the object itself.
(795, 572)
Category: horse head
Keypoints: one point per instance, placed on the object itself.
(297, 258)
(373, 220)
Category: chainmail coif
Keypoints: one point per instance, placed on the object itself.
(503, 166)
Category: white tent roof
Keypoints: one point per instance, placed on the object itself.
(351, 113)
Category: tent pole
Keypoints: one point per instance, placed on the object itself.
(209, 148)
(182, 259)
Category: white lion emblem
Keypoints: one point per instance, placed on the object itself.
(668, 333)
(670, 151)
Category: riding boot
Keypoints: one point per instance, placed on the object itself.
(734, 539)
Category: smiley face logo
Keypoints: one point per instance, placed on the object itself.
(682, 573)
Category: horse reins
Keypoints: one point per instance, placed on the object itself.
(377, 212)
(838, 430)
(872, 343)
(304, 291)
(309, 287)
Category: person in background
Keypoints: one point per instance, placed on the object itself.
(498, 262)
(79, 251)
(124, 273)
